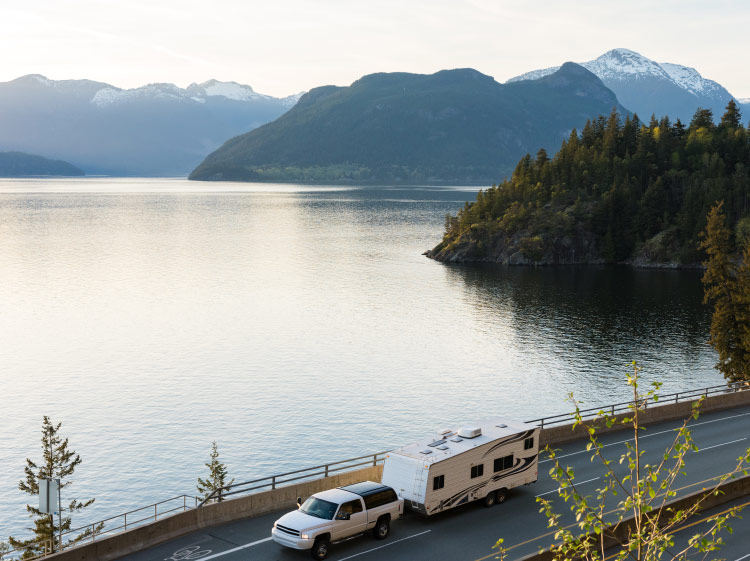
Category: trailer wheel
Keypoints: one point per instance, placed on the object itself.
(382, 528)
(490, 499)
(502, 494)
(319, 549)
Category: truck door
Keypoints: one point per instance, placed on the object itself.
(354, 525)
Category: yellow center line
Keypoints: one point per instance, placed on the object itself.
(552, 533)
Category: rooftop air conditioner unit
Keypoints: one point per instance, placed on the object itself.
(469, 432)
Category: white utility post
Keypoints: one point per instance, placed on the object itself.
(50, 501)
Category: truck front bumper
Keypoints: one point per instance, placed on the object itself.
(287, 540)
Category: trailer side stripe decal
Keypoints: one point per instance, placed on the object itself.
(522, 465)
(514, 438)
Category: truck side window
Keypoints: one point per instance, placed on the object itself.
(438, 482)
(352, 507)
(528, 443)
(381, 498)
(477, 471)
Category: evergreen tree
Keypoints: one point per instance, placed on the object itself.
(723, 288)
(217, 475)
(732, 116)
(58, 462)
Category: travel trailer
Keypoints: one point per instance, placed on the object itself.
(478, 462)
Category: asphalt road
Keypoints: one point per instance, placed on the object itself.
(470, 532)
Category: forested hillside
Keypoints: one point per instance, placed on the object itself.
(454, 126)
(615, 192)
(18, 164)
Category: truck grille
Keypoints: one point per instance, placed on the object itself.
(286, 530)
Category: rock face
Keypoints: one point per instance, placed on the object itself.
(520, 248)
(154, 130)
(456, 126)
(648, 87)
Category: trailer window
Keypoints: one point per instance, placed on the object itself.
(477, 471)
(506, 462)
(438, 482)
(528, 443)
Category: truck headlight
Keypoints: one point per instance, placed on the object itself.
(304, 536)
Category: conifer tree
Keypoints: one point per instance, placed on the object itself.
(58, 462)
(726, 288)
(217, 476)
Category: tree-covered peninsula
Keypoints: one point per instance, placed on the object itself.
(617, 192)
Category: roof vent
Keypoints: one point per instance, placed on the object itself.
(445, 433)
(436, 443)
(457, 439)
(425, 452)
(502, 426)
(470, 432)
(443, 447)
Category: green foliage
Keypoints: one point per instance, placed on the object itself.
(58, 462)
(636, 497)
(217, 476)
(623, 183)
(727, 289)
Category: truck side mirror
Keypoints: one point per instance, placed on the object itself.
(299, 502)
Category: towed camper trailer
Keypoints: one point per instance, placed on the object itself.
(478, 462)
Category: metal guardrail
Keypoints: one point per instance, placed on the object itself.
(112, 525)
(326, 470)
(299, 475)
(623, 407)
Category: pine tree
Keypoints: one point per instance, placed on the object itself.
(732, 117)
(723, 287)
(58, 462)
(217, 476)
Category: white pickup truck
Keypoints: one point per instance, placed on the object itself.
(338, 514)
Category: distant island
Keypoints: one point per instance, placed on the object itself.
(20, 164)
(454, 126)
(618, 192)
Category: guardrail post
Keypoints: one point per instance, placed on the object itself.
(126, 521)
(677, 397)
(219, 495)
(374, 459)
(326, 472)
(184, 503)
(542, 425)
(93, 535)
(273, 482)
(154, 512)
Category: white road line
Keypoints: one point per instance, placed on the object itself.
(743, 557)
(574, 481)
(386, 545)
(722, 444)
(228, 551)
(649, 435)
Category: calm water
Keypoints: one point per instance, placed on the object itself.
(293, 325)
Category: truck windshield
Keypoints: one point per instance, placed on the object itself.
(319, 508)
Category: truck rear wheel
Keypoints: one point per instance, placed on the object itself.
(382, 528)
(319, 549)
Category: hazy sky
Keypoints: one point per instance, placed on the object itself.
(283, 46)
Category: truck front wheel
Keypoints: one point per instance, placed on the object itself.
(382, 528)
(319, 549)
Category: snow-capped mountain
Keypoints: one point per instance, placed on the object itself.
(157, 129)
(647, 87)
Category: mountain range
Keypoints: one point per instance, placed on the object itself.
(647, 87)
(154, 130)
(452, 126)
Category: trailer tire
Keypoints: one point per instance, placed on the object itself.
(382, 528)
(501, 495)
(320, 549)
(490, 499)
